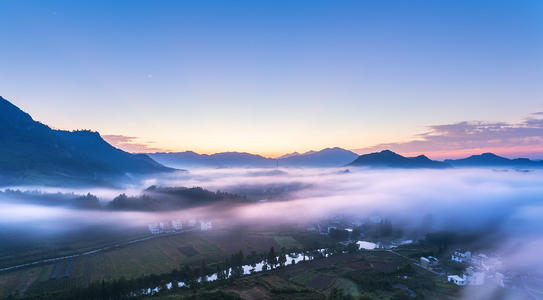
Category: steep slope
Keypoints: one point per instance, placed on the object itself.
(389, 159)
(33, 153)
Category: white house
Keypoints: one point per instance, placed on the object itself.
(154, 228)
(428, 262)
(177, 224)
(461, 257)
(456, 280)
(205, 225)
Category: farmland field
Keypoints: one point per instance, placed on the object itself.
(24, 249)
(288, 242)
(154, 256)
(319, 278)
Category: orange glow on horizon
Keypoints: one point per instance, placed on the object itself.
(509, 152)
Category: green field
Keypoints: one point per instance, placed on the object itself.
(348, 286)
(288, 242)
(155, 256)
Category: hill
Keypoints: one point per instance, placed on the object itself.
(493, 160)
(389, 159)
(33, 153)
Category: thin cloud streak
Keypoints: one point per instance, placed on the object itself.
(131, 144)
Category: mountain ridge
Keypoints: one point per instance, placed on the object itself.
(33, 153)
(328, 157)
(389, 159)
(492, 160)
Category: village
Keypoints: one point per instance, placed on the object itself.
(477, 269)
(178, 226)
(458, 267)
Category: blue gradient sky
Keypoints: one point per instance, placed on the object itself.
(271, 76)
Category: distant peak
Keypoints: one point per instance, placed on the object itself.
(488, 154)
(388, 153)
(289, 155)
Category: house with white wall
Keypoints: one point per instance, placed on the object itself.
(461, 281)
(205, 225)
(177, 224)
(460, 256)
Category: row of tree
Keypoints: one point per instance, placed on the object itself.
(192, 277)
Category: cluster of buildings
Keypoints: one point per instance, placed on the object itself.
(178, 225)
(481, 268)
(337, 222)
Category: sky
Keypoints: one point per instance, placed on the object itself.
(446, 78)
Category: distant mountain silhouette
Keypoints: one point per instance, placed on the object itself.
(33, 153)
(389, 159)
(330, 157)
(289, 155)
(493, 160)
(189, 159)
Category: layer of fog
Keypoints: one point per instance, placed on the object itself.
(505, 206)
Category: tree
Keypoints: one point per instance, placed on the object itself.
(336, 294)
(282, 257)
(220, 273)
(190, 276)
(338, 234)
(401, 295)
(352, 247)
(252, 257)
(355, 234)
(203, 271)
(272, 258)
(385, 228)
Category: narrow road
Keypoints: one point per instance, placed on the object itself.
(48, 260)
